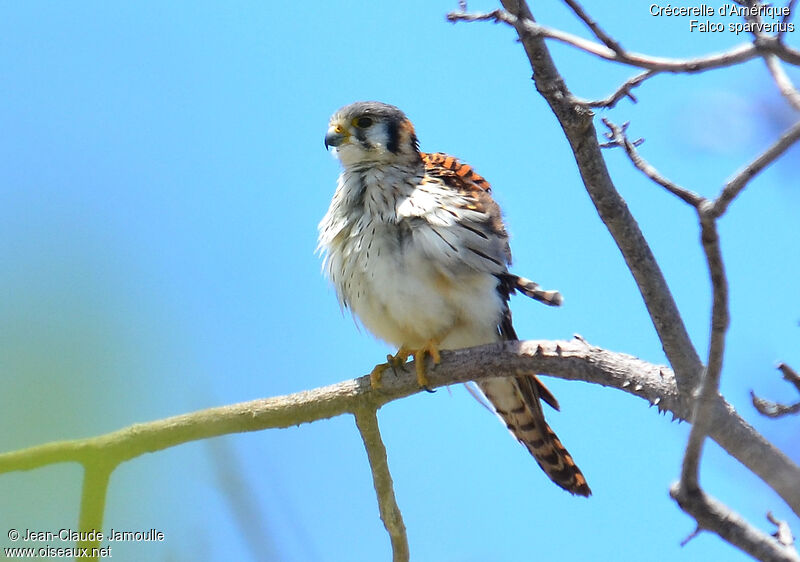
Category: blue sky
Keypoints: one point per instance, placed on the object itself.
(162, 173)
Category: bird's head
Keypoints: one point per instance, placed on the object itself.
(371, 132)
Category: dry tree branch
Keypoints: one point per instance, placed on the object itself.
(779, 76)
(735, 185)
(790, 375)
(708, 512)
(790, 4)
(623, 91)
(572, 360)
(709, 387)
(783, 533)
(607, 40)
(711, 514)
(529, 27)
(575, 359)
(576, 121)
(775, 409)
(618, 137)
(782, 80)
(367, 422)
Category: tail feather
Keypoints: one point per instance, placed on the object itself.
(531, 289)
(516, 400)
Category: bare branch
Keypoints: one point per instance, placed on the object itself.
(691, 536)
(623, 91)
(790, 4)
(607, 40)
(93, 501)
(714, 516)
(576, 120)
(532, 29)
(775, 409)
(741, 179)
(572, 360)
(779, 49)
(782, 80)
(619, 137)
(790, 375)
(774, 66)
(708, 393)
(367, 422)
(783, 532)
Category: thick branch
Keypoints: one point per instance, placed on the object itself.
(576, 121)
(573, 360)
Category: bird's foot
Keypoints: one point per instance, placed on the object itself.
(392, 361)
(430, 348)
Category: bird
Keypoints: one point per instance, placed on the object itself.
(417, 250)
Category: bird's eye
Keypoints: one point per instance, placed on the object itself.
(362, 122)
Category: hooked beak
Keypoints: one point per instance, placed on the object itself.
(335, 136)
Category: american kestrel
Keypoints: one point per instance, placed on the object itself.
(417, 250)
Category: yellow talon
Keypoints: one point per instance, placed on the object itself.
(393, 361)
(376, 374)
(431, 348)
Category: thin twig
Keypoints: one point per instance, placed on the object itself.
(790, 375)
(618, 137)
(788, 16)
(775, 409)
(782, 80)
(367, 422)
(741, 179)
(607, 40)
(779, 76)
(772, 409)
(623, 91)
(734, 56)
(783, 533)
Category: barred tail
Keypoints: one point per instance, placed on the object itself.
(530, 288)
(516, 401)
